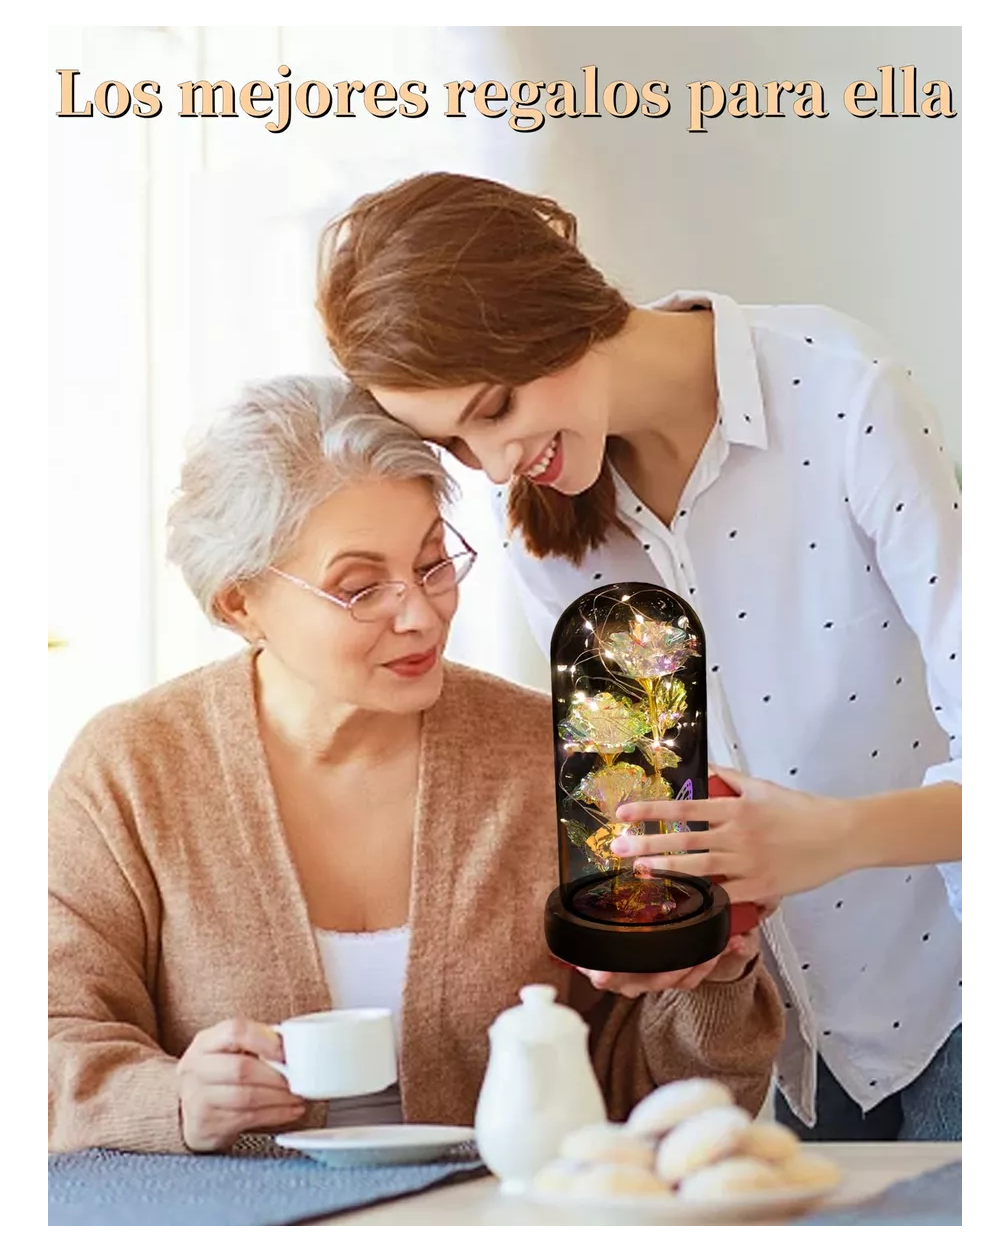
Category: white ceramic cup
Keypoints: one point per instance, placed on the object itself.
(338, 1054)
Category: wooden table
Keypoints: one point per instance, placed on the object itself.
(869, 1168)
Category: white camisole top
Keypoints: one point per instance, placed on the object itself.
(366, 969)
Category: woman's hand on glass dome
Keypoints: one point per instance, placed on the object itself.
(763, 843)
(730, 965)
(768, 841)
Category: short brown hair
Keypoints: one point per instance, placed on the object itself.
(444, 280)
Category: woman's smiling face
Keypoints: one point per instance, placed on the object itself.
(552, 430)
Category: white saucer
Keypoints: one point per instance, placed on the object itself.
(765, 1205)
(377, 1143)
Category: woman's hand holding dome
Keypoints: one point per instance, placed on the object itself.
(764, 843)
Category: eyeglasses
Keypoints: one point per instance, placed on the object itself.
(383, 600)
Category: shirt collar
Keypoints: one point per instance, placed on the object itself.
(742, 407)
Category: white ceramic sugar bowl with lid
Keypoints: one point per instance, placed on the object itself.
(539, 1086)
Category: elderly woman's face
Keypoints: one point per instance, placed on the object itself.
(373, 532)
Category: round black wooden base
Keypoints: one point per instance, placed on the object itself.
(648, 947)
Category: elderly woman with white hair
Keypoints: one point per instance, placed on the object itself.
(335, 816)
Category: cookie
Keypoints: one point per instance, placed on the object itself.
(769, 1140)
(669, 1105)
(731, 1178)
(606, 1144)
(808, 1170)
(617, 1180)
(704, 1139)
(558, 1176)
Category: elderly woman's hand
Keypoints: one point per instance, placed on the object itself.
(764, 843)
(724, 967)
(225, 1088)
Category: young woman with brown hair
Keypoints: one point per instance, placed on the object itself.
(779, 471)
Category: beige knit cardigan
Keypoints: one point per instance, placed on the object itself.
(174, 904)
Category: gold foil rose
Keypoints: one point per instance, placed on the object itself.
(612, 786)
(649, 649)
(607, 788)
(604, 724)
(648, 653)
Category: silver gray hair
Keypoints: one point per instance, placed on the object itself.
(252, 476)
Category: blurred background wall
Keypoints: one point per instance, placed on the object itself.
(182, 261)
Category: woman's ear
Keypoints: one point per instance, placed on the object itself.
(231, 606)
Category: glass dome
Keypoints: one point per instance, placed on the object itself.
(629, 714)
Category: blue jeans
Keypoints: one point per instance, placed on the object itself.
(927, 1110)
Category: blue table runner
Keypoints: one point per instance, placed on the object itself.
(262, 1185)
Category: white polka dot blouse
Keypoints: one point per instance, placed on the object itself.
(818, 540)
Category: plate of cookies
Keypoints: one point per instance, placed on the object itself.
(687, 1153)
